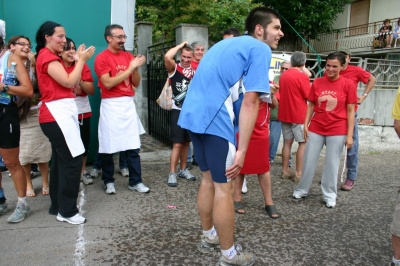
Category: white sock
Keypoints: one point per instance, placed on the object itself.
(22, 201)
(230, 253)
(210, 234)
(395, 261)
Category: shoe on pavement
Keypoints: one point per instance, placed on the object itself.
(241, 258)
(330, 204)
(207, 245)
(140, 188)
(19, 214)
(110, 188)
(299, 195)
(186, 174)
(189, 165)
(348, 185)
(296, 178)
(394, 264)
(244, 187)
(76, 219)
(86, 178)
(124, 172)
(172, 182)
(95, 172)
(35, 174)
(194, 162)
(289, 175)
(3, 208)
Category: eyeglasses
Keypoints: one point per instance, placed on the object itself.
(120, 37)
(284, 68)
(24, 44)
(70, 48)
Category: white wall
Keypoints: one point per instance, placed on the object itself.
(382, 9)
(342, 20)
(123, 13)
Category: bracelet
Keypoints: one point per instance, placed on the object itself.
(365, 94)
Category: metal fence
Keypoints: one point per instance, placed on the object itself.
(158, 119)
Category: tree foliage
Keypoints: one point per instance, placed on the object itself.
(217, 14)
(308, 17)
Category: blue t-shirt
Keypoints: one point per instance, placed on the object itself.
(214, 96)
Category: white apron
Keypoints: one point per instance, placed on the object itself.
(65, 113)
(83, 104)
(118, 125)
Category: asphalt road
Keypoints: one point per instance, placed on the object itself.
(130, 228)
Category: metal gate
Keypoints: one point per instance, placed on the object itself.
(159, 119)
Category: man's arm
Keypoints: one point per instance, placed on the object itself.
(368, 87)
(110, 82)
(169, 57)
(247, 119)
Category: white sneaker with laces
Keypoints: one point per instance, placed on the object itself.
(299, 195)
(95, 172)
(330, 204)
(76, 219)
(110, 188)
(140, 188)
(244, 187)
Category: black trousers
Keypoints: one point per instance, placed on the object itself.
(65, 173)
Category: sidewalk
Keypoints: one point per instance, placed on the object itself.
(129, 228)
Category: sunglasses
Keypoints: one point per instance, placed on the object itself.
(284, 68)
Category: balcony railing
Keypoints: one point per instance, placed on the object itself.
(358, 38)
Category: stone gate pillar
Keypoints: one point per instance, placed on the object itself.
(144, 39)
(192, 33)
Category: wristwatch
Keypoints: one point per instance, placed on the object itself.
(365, 94)
(5, 88)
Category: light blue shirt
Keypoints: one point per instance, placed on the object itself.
(214, 96)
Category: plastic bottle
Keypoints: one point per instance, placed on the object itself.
(10, 78)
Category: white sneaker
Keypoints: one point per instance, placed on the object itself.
(76, 219)
(139, 188)
(299, 195)
(244, 187)
(330, 204)
(124, 172)
(110, 188)
(95, 172)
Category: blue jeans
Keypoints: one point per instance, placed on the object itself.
(122, 161)
(1, 162)
(133, 160)
(352, 154)
(275, 128)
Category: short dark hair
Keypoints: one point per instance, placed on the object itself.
(232, 31)
(337, 55)
(259, 15)
(109, 28)
(68, 45)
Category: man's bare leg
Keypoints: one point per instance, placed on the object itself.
(237, 190)
(174, 157)
(183, 155)
(224, 213)
(205, 201)
(299, 158)
(287, 147)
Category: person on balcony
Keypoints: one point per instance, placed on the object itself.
(396, 32)
(385, 35)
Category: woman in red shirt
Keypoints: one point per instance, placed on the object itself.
(330, 122)
(81, 91)
(58, 119)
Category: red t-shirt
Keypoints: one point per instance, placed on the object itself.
(294, 87)
(113, 64)
(330, 111)
(355, 74)
(49, 88)
(86, 75)
(194, 65)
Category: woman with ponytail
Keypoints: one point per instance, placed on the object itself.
(58, 118)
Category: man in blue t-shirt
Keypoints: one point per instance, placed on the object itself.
(232, 76)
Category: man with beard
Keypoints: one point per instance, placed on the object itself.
(179, 77)
(118, 76)
(232, 77)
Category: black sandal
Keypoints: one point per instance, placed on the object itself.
(239, 207)
(271, 210)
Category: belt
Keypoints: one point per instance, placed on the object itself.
(33, 112)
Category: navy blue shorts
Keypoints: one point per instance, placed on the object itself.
(9, 126)
(213, 154)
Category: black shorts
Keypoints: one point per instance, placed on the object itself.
(178, 134)
(9, 126)
(84, 126)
